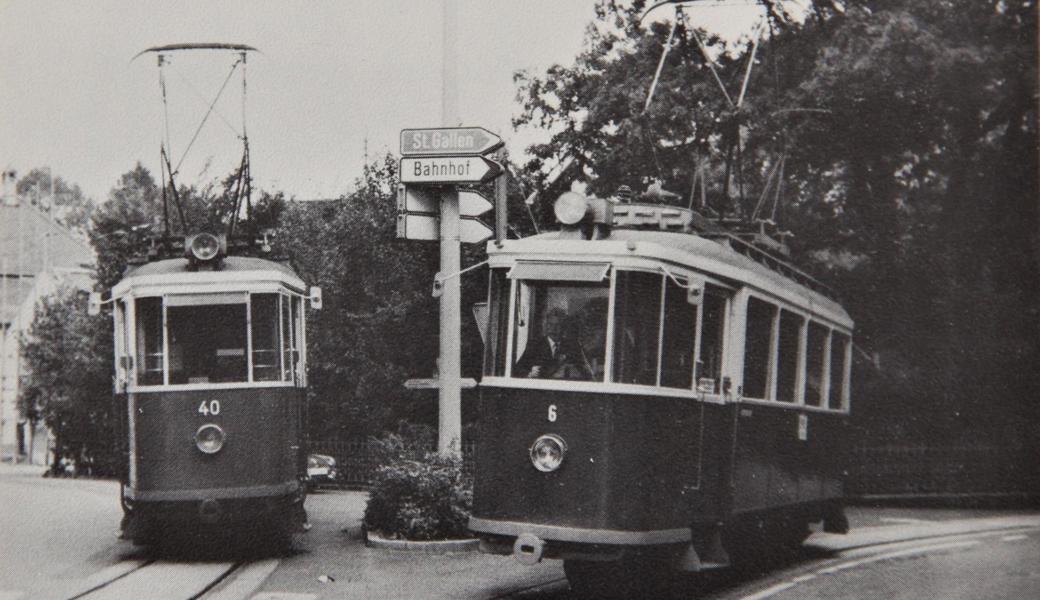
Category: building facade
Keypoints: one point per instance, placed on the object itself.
(37, 258)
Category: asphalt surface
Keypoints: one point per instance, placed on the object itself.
(55, 534)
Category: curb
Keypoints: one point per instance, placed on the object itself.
(373, 540)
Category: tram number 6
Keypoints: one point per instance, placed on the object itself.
(209, 408)
(552, 413)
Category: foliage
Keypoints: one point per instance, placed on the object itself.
(65, 201)
(68, 383)
(909, 143)
(378, 326)
(417, 494)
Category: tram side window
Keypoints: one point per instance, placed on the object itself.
(758, 344)
(680, 332)
(839, 347)
(636, 327)
(498, 323)
(266, 358)
(290, 341)
(207, 343)
(787, 356)
(560, 330)
(709, 365)
(149, 341)
(814, 371)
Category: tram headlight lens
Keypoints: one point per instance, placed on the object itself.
(204, 246)
(547, 453)
(209, 438)
(570, 208)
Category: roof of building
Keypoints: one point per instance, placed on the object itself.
(30, 242)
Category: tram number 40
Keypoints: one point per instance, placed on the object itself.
(211, 407)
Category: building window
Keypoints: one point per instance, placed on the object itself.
(758, 346)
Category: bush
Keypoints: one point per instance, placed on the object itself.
(417, 494)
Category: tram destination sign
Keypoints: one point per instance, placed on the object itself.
(448, 141)
(448, 169)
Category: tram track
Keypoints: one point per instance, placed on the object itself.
(165, 579)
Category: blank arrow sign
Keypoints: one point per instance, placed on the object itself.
(472, 231)
(473, 204)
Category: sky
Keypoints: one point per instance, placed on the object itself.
(330, 77)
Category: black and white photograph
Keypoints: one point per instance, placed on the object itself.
(519, 299)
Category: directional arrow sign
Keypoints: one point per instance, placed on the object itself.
(418, 227)
(448, 141)
(448, 169)
(472, 231)
(473, 204)
(417, 200)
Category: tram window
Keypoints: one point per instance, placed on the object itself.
(207, 343)
(815, 353)
(149, 341)
(787, 356)
(266, 358)
(839, 347)
(680, 332)
(498, 322)
(637, 325)
(560, 330)
(290, 343)
(709, 367)
(758, 344)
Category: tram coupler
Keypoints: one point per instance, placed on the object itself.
(529, 549)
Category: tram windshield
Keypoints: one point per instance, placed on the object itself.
(561, 330)
(218, 338)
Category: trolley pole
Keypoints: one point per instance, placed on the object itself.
(449, 424)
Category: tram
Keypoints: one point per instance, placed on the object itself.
(211, 363)
(657, 392)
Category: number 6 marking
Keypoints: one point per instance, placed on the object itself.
(552, 413)
(209, 408)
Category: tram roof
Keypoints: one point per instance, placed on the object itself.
(236, 273)
(707, 256)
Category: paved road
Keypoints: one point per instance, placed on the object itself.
(56, 536)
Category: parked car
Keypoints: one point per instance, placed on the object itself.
(321, 470)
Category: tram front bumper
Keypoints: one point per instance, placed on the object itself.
(530, 542)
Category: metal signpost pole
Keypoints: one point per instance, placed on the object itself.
(449, 424)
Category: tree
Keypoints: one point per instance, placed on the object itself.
(68, 382)
(64, 201)
(908, 136)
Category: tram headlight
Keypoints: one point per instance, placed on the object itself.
(570, 208)
(204, 247)
(547, 452)
(209, 438)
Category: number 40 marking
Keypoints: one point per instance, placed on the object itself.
(209, 408)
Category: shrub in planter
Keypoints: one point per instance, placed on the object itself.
(417, 494)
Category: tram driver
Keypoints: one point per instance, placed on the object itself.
(558, 353)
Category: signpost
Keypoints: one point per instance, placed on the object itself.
(432, 207)
(448, 141)
(448, 169)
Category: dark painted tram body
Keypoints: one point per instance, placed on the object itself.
(711, 397)
(210, 362)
